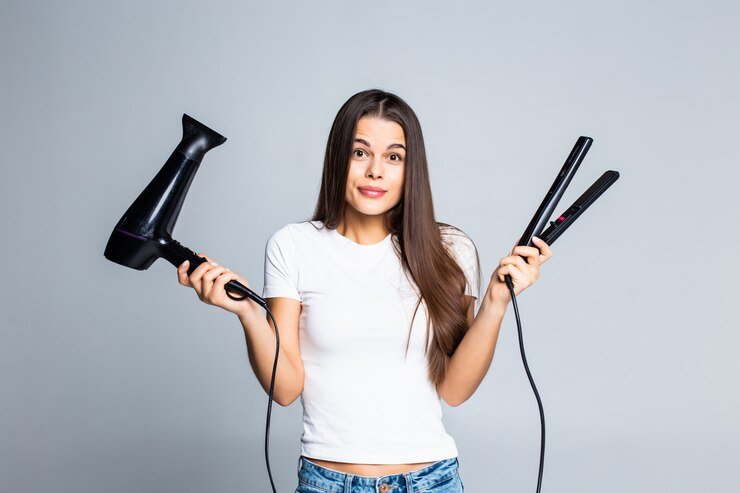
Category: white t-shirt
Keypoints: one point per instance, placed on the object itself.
(364, 400)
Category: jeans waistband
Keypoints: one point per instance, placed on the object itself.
(333, 481)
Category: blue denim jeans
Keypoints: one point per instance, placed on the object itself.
(441, 477)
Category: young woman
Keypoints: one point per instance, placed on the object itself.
(374, 300)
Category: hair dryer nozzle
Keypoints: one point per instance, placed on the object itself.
(197, 139)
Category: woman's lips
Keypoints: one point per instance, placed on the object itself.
(370, 192)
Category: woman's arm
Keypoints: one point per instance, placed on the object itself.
(208, 281)
(260, 334)
(472, 358)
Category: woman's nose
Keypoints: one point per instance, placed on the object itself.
(375, 168)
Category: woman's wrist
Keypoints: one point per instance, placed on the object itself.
(494, 303)
(250, 313)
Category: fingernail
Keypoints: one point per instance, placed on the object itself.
(214, 263)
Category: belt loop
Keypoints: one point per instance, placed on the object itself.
(348, 483)
(409, 487)
(300, 463)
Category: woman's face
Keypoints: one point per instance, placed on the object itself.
(377, 162)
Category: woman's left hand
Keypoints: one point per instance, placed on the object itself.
(523, 274)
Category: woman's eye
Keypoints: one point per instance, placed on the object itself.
(395, 157)
(359, 153)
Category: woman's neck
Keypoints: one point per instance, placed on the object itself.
(365, 230)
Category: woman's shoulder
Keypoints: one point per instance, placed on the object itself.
(458, 242)
(453, 235)
(291, 230)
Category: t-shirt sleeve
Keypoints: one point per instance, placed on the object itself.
(281, 273)
(466, 255)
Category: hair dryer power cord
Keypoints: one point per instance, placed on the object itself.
(269, 403)
(272, 385)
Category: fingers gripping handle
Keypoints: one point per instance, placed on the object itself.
(176, 254)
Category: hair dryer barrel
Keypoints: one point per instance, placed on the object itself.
(144, 232)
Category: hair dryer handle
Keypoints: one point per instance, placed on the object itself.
(176, 254)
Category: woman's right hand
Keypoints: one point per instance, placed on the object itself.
(208, 281)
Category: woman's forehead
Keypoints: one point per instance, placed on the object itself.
(379, 131)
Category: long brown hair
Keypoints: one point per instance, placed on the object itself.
(419, 244)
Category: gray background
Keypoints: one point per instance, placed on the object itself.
(118, 380)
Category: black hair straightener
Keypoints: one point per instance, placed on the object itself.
(552, 233)
(553, 196)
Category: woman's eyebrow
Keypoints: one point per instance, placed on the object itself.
(364, 142)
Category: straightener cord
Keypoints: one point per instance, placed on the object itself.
(531, 381)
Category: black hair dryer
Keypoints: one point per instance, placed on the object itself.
(144, 233)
